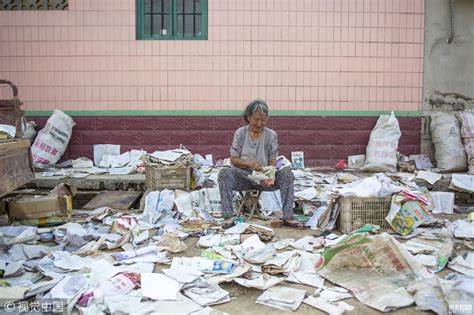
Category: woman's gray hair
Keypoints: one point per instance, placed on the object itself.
(253, 107)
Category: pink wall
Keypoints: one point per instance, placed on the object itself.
(312, 55)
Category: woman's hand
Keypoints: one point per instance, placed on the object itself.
(266, 183)
(254, 165)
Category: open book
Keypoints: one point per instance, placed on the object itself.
(267, 175)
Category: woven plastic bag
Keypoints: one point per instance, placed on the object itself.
(381, 153)
(467, 134)
(52, 140)
(446, 137)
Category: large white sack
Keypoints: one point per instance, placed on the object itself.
(52, 140)
(446, 137)
(381, 153)
(467, 134)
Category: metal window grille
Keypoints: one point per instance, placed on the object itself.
(15, 5)
(173, 18)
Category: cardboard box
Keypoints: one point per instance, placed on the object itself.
(36, 207)
(57, 203)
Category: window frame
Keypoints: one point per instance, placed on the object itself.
(140, 23)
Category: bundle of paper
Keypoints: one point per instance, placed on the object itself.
(282, 298)
(205, 293)
(264, 233)
(285, 263)
(169, 158)
(267, 175)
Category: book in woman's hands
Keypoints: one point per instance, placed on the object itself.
(266, 175)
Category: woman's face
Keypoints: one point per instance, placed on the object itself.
(257, 121)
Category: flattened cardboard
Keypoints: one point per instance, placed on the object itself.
(121, 200)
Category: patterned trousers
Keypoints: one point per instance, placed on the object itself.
(235, 179)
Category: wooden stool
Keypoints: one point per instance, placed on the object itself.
(250, 201)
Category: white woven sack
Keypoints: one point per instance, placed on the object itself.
(381, 153)
(52, 140)
(467, 134)
(446, 137)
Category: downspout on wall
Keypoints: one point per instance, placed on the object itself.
(451, 20)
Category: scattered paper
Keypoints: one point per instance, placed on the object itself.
(239, 271)
(183, 274)
(335, 294)
(375, 268)
(169, 155)
(267, 174)
(259, 281)
(120, 160)
(426, 260)
(422, 161)
(462, 229)
(430, 177)
(122, 170)
(429, 296)
(443, 202)
(182, 305)
(13, 293)
(128, 304)
(330, 308)
(458, 293)
(171, 243)
(463, 264)
(8, 129)
(12, 269)
(261, 255)
(462, 182)
(81, 163)
(205, 293)
(306, 194)
(282, 298)
(270, 202)
(285, 263)
(209, 311)
(24, 237)
(311, 279)
(101, 149)
(212, 266)
(408, 211)
(69, 288)
(157, 286)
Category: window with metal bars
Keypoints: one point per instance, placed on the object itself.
(15, 5)
(171, 19)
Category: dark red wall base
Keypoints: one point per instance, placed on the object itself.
(324, 140)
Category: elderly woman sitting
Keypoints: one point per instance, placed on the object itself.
(255, 146)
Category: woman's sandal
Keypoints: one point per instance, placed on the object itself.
(229, 222)
(294, 224)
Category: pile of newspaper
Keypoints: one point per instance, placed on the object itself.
(169, 158)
